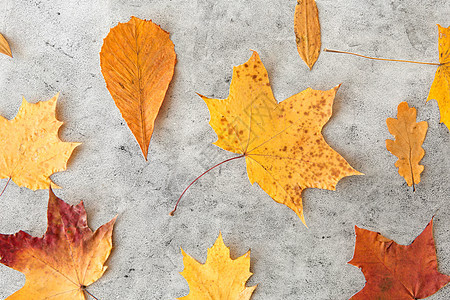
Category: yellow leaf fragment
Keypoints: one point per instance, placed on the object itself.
(282, 142)
(307, 31)
(4, 46)
(220, 277)
(440, 89)
(31, 150)
(407, 146)
(138, 61)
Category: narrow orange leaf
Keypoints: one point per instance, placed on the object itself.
(307, 31)
(220, 277)
(138, 61)
(62, 263)
(4, 46)
(409, 136)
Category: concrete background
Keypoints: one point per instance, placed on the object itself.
(56, 45)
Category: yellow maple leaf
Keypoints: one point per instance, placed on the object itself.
(31, 150)
(409, 136)
(220, 277)
(440, 89)
(282, 142)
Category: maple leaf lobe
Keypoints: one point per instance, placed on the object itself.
(284, 149)
(440, 88)
(68, 258)
(394, 271)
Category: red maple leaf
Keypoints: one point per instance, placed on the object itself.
(394, 271)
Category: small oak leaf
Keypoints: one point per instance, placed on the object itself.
(407, 146)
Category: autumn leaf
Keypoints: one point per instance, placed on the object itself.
(440, 89)
(31, 150)
(307, 31)
(4, 46)
(409, 136)
(220, 277)
(67, 259)
(138, 60)
(395, 271)
(282, 142)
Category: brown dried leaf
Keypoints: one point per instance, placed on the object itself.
(4, 46)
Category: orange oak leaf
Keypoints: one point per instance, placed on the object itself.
(282, 142)
(440, 89)
(4, 46)
(220, 277)
(396, 271)
(409, 136)
(67, 259)
(31, 150)
(307, 31)
(138, 60)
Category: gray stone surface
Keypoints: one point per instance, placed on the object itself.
(56, 45)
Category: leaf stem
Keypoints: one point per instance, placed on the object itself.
(90, 294)
(385, 59)
(227, 160)
(9, 179)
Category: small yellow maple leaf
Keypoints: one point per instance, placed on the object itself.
(282, 142)
(220, 277)
(440, 89)
(31, 150)
(409, 136)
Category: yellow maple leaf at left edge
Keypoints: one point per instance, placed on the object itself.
(282, 142)
(220, 277)
(31, 150)
(440, 89)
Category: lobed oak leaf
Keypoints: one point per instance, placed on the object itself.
(62, 263)
(282, 143)
(138, 61)
(394, 271)
(4, 46)
(307, 31)
(220, 277)
(440, 89)
(31, 150)
(409, 136)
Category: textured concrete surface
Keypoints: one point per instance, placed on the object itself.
(56, 45)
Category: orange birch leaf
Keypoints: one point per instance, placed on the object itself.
(62, 263)
(31, 150)
(307, 31)
(407, 146)
(220, 277)
(4, 46)
(394, 271)
(282, 142)
(440, 89)
(138, 60)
